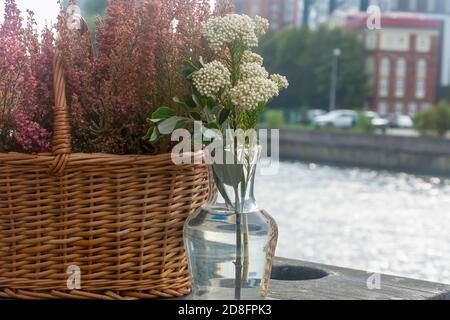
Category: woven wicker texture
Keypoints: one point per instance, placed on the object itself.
(118, 218)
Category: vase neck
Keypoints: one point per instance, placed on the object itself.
(235, 182)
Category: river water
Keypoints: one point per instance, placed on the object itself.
(393, 223)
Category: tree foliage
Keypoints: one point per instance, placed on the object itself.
(435, 121)
(305, 57)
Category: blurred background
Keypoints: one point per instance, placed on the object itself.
(364, 180)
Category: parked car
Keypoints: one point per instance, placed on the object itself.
(314, 113)
(339, 119)
(376, 120)
(403, 122)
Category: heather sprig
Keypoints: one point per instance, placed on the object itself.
(25, 103)
(130, 69)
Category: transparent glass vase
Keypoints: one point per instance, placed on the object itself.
(230, 242)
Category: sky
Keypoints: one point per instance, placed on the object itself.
(44, 10)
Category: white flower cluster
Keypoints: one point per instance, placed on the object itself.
(250, 56)
(221, 31)
(249, 93)
(254, 84)
(281, 81)
(261, 25)
(212, 78)
(253, 70)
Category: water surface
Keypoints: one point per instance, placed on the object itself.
(386, 222)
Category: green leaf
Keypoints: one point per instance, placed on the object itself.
(162, 113)
(229, 174)
(222, 190)
(197, 101)
(181, 103)
(190, 64)
(196, 116)
(212, 125)
(210, 104)
(149, 134)
(191, 104)
(224, 114)
(152, 135)
(200, 60)
(155, 135)
(187, 73)
(170, 125)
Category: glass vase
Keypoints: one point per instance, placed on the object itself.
(230, 242)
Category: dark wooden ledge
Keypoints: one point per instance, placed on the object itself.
(299, 280)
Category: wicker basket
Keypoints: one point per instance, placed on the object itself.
(118, 219)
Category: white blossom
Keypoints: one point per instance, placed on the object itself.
(250, 56)
(212, 78)
(261, 25)
(281, 81)
(249, 93)
(253, 70)
(221, 31)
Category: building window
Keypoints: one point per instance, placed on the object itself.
(401, 68)
(391, 5)
(420, 89)
(385, 67)
(412, 5)
(421, 78)
(371, 41)
(431, 5)
(423, 43)
(384, 87)
(400, 88)
(370, 71)
(399, 108)
(383, 109)
(395, 40)
(412, 109)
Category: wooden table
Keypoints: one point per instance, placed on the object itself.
(334, 283)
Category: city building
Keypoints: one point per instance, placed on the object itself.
(402, 62)
(431, 9)
(280, 13)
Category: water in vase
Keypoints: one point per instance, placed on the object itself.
(210, 239)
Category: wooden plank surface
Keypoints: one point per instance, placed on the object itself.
(348, 284)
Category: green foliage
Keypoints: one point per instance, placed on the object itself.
(90, 9)
(305, 57)
(274, 119)
(364, 124)
(435, 121)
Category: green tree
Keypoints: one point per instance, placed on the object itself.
(435, 121)
(90, 9)
(305, 57)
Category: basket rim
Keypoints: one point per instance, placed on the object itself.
(162, 156)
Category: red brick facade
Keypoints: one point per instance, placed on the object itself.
(391, 103)
(280, 13)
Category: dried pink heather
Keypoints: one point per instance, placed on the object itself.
(21, 115)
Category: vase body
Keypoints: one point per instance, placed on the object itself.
(230, 231)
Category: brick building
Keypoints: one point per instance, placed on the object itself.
(402, 61)
(431, 9)
(280, 13)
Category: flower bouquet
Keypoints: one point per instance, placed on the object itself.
(229, 240)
